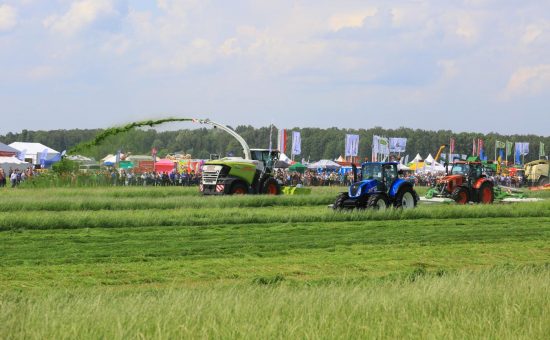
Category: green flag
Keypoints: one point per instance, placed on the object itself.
(500, 145)
(509, 146)
(541, 150)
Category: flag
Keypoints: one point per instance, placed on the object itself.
(524, 148)
(509, 146)
(117, 158)
(474, 149)
(451, 146)
(281, 140)
(518, 151)
(501, 154)
(542, 153)
(43, 156)
(21, 155)
(383, 145)
(352, 145)
(296, 143)
(500, 145)
(398, 144)
(480, 147)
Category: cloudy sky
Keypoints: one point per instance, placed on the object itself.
(470, 65)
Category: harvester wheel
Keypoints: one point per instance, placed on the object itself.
(485, 194)
(543, 181)
(405, 198)
(239, 188)
(271, 187)
(378, 202)
(460, 195)
(339, 203)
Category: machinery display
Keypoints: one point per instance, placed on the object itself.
(537, 173)
(465, 183)
(251, 174)
(379, 187)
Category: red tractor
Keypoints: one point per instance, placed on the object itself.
(466, 183)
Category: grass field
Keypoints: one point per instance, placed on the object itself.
(123, 263)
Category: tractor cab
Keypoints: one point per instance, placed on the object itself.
(383, 173)
(472, 170)
(265, 156)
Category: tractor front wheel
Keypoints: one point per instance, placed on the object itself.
(339, 203)
(405, 199)
(239, 188)
(271, 187)
(485, 194)
(378, 202)
(460, 195)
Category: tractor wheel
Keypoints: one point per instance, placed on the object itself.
(339, 203)
(239, 188)
(485, 194)
(405, 199)
(378, 202)
(271, 187)
(460, 195)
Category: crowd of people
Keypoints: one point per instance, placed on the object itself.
(130, 177)
(14, 177)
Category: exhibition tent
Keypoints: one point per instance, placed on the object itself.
(165, 165)
(325, 164)
(13, 163)
(7, 151)
(298, 167)
(33, 151)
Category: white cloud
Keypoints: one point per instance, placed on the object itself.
(529, 80)
(532, 33)
(8, 17)
(350, 20)
(80, 15)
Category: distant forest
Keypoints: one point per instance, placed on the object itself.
(316, 143)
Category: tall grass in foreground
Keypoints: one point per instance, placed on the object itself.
(497, 304)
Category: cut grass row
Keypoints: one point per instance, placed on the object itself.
(494, 304)
(278, 214)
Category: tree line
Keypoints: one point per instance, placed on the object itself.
(317, 143)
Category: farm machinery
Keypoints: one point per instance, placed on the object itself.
(252, 174)
(378, 188)
(465, 183)
(537, 173)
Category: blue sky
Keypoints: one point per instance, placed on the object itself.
(472, 65)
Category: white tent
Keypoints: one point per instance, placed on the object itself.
(430, 159)
(284, 158)
(108, 160)
(402, 167)
(417, 158)
(325, 164)
(33, 151)
(13, 163)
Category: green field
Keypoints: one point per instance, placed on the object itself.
(119, 263)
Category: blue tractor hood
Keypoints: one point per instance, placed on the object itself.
(362, 187)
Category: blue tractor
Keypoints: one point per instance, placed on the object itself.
(378, 187)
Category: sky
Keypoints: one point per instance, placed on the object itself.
(471, 65)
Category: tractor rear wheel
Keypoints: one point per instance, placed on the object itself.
(378, 202)
(405, 199)
(485, 194)
(460, 195)
(271, 187)
(239, 188)
(339, 203)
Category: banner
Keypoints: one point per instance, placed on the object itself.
(542, 153)
(452, 147)
(21, 155)
(383, 146)
(296, 143)
(398, 144)
(522, 148)
(352, 145)
(281, 140)
(509, 146)
(480, 148)
(500, 145)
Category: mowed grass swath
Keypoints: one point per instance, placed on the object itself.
(167, 263)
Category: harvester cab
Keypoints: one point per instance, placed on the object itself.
(466, 182)
(379, 187)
